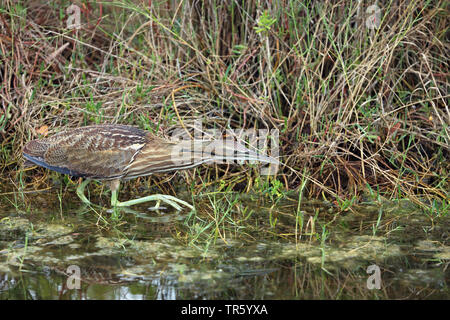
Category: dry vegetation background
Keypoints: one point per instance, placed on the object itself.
(357, 109)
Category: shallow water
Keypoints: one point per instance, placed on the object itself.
(274, 253)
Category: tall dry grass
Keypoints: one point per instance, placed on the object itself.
(357, 108)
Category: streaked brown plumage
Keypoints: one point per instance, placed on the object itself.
(117, 152)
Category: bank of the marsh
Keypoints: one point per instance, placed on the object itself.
(357, 91)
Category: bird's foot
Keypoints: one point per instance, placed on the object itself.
(169, 200)
(157, 207)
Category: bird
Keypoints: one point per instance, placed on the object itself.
(112, 153)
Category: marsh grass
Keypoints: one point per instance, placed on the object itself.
(364, 110)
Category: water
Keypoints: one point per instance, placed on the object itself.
(153, 255)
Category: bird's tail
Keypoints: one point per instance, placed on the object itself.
(191, 153)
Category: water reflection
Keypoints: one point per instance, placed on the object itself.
(140, 258)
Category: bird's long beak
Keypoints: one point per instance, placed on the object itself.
(217, 151)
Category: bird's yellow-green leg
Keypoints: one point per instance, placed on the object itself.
(170, 200)
(80, 191)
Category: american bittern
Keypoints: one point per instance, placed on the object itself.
(113, 152)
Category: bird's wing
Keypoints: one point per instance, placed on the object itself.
(100, 157)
